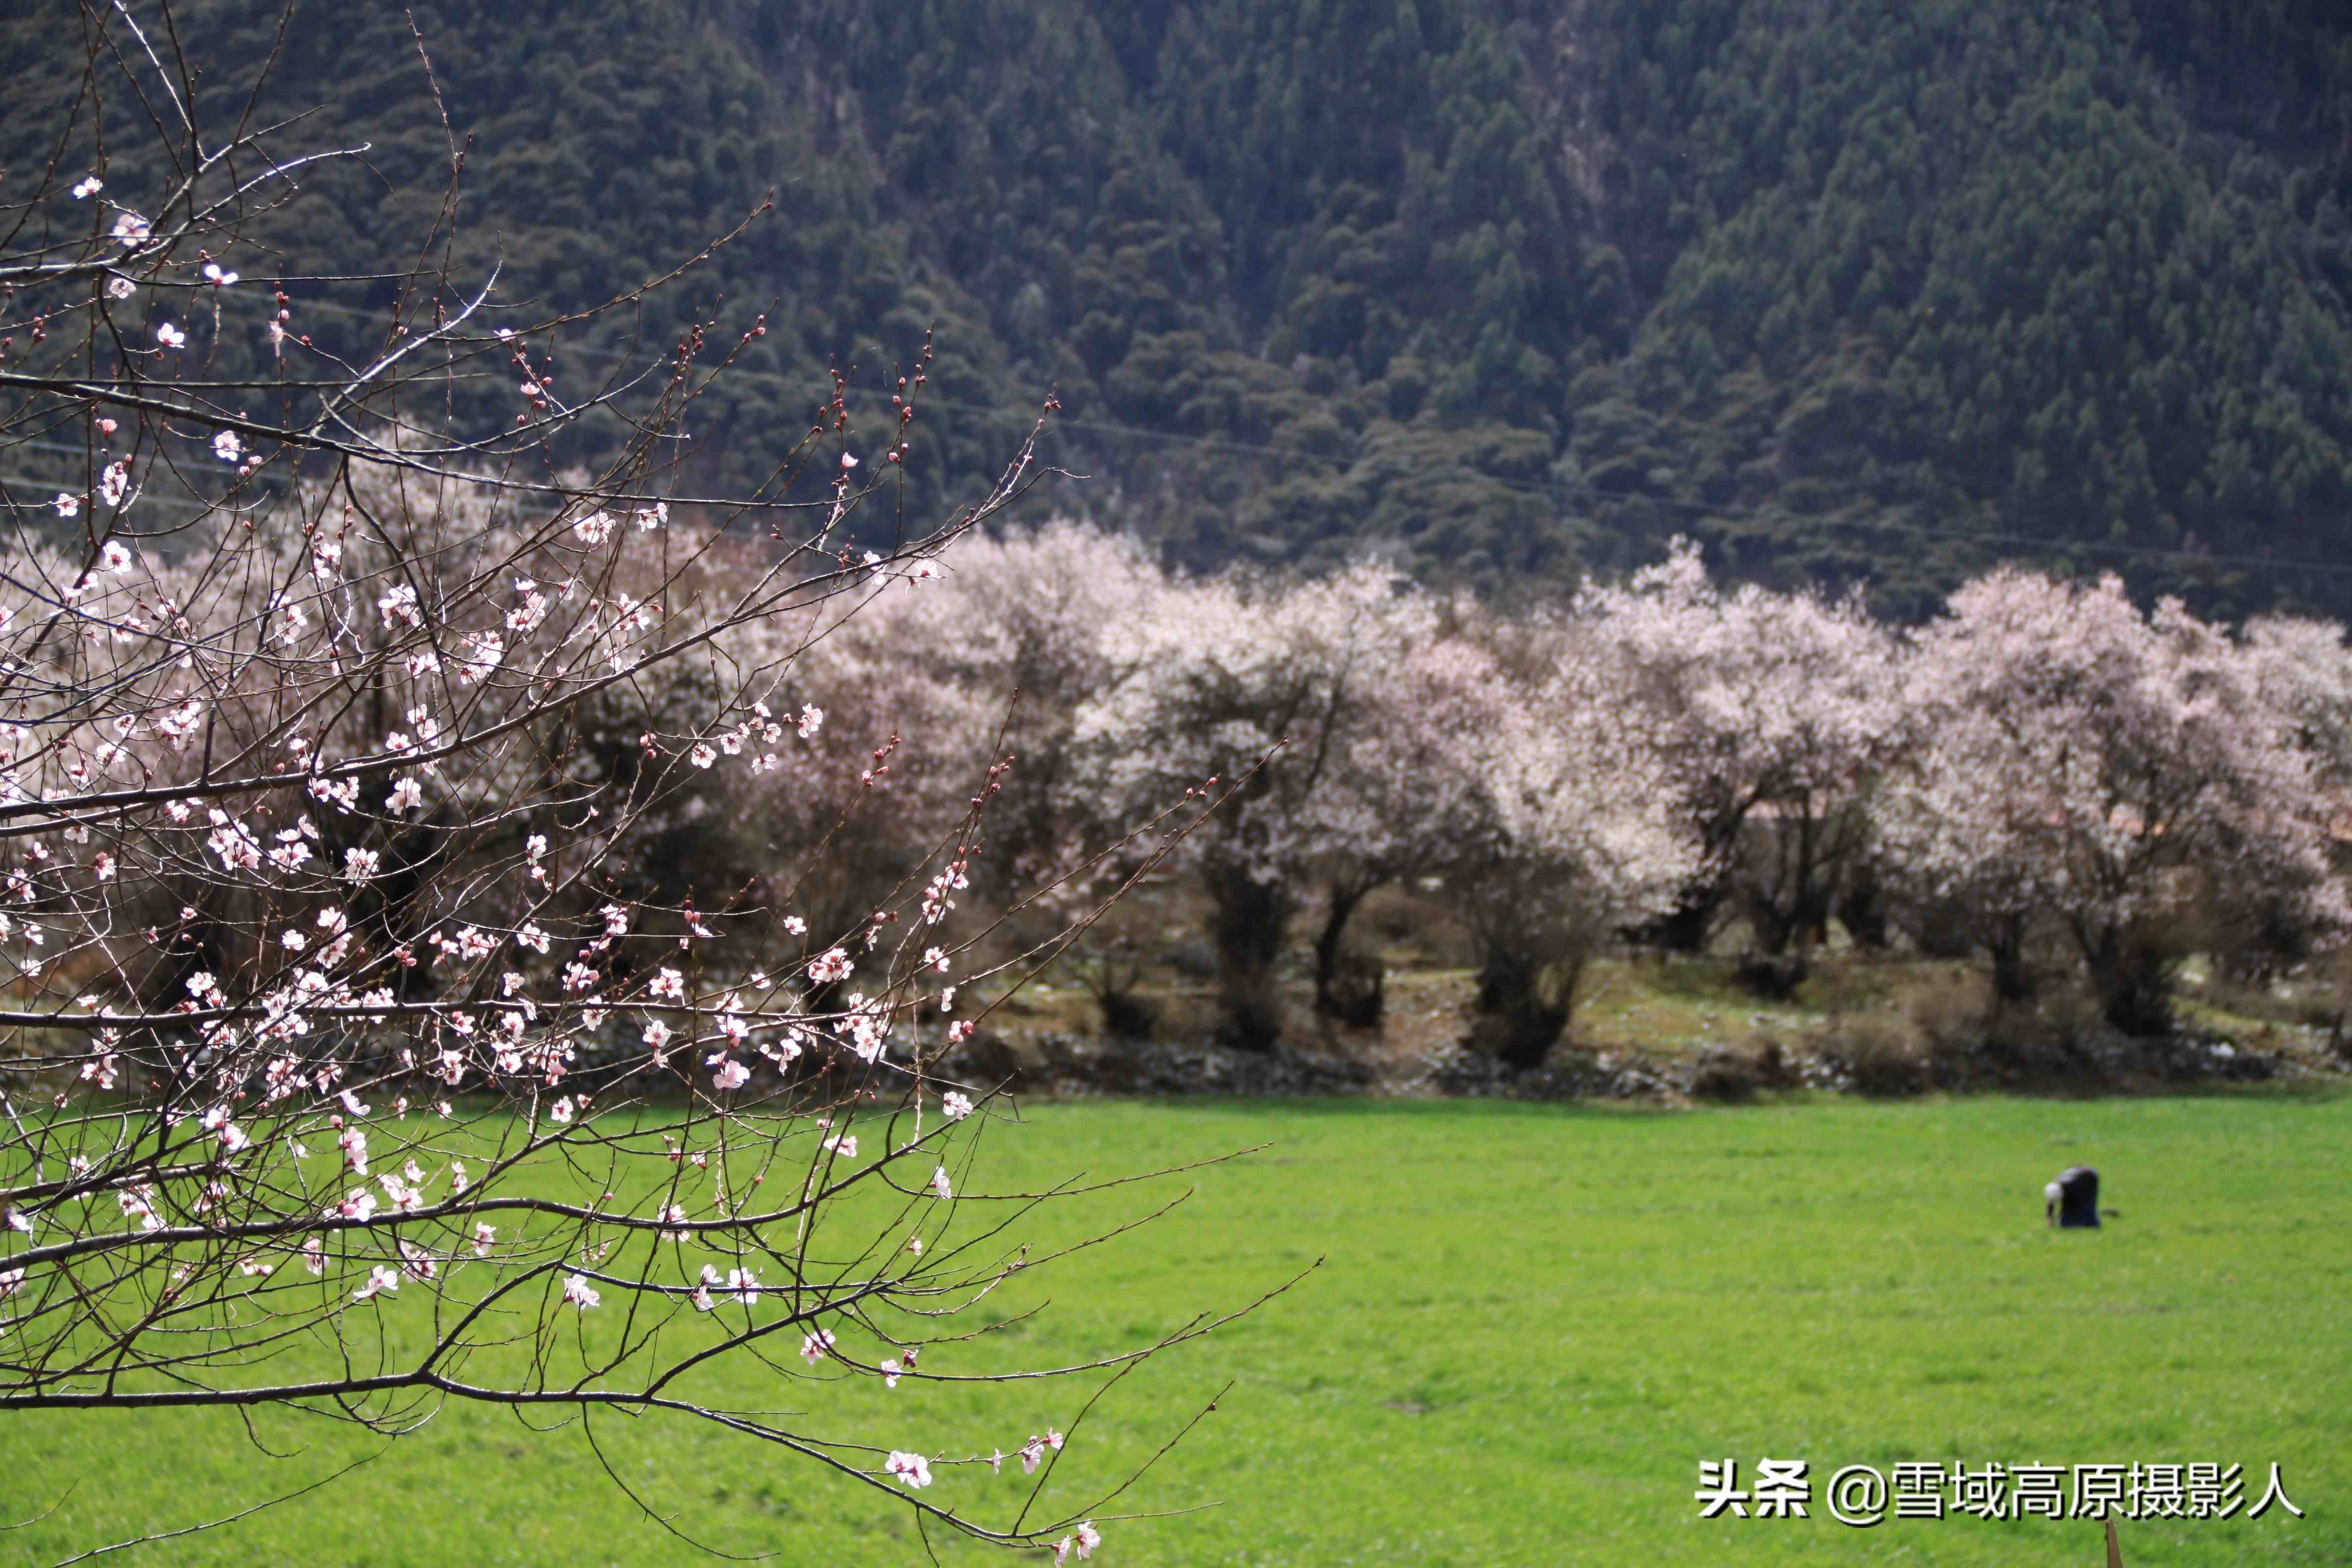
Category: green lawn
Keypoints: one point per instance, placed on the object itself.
(1533, 1322)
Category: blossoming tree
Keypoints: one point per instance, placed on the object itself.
(2112, 772)
(360, 1048)
(1774, 712)
(1562, 828)
(1271, 687)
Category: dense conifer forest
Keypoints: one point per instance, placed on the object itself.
(1506, 290)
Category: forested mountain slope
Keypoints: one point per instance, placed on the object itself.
(1507, 289)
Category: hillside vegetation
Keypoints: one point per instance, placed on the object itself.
(1506, 290)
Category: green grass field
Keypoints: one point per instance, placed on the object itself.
(1533, 1323)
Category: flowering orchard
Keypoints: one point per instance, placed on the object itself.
(2046, 772)
(485, 917)
(377, 989)
(2144, 784)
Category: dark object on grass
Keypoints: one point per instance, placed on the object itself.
(2072, 1201)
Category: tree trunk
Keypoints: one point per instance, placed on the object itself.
(2134, 983)
(1862, 909)
(1807, 917)
(1247, 927)
(2011, 981)
(1685, 927)
(1520, 1018)
(1347, 986)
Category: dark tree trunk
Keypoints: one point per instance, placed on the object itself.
(1247, 927)
(1518, 1023)
(1686, 927)
(2011, 980)
(1862, 909)
(1772, 929)
(1348, 985)
(1794, 906)
(2134, 983)
(1807, 916)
